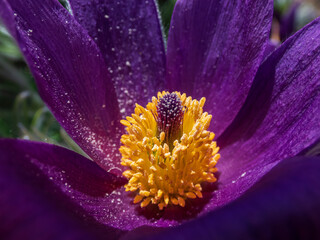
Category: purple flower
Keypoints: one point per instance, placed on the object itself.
(93, 66)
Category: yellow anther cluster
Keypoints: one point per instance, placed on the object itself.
(166, 176)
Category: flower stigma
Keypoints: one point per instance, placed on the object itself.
(168, 150)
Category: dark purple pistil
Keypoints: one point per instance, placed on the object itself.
(170, 114)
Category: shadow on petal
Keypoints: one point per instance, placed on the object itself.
(254, 109)
(284, 204)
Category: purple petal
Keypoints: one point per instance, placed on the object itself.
(271, 46)
(283, 205)
(76, 184)
(70, 73)
(214, 50)
(129, 36)
(280, 117)
(41, 186)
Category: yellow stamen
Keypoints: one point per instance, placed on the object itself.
(167, 162)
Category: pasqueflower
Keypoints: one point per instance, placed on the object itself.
(94, 64)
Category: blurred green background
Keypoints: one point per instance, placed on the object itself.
(24, 115)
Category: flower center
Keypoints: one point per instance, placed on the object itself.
(168, 150)
(169, 117)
